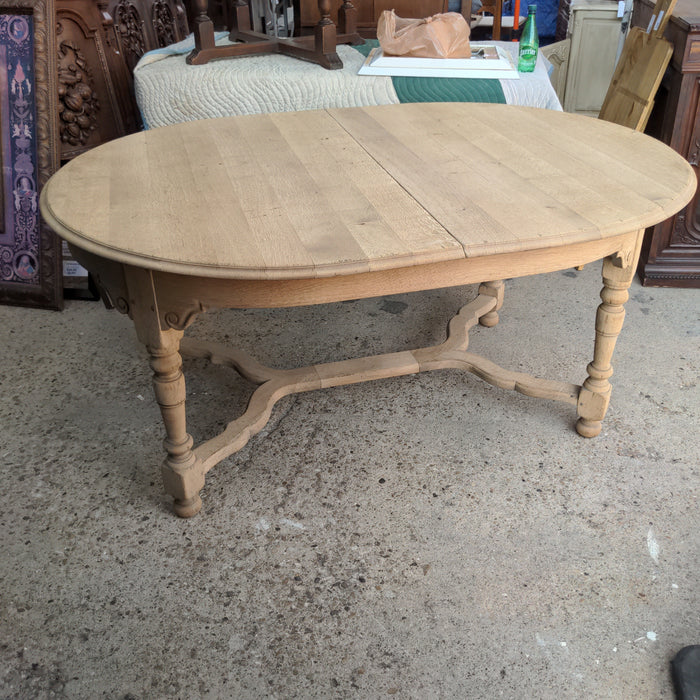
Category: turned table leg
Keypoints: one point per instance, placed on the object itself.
(594, 397)
(492, 289)
(203, 29)
(183, 475)
(325, 31)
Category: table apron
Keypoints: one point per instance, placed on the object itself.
(182, 297)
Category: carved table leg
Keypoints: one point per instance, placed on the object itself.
(492, 289)
(240, 17)
(347, 18)
(325, 34)
(203, 27)
(594, 397)
(183, 475)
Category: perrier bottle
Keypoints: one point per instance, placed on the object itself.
(529, 43)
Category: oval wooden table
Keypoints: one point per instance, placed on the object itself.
(312, 207)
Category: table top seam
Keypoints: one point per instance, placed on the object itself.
(400, 184)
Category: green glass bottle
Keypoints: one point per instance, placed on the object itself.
(529, 43)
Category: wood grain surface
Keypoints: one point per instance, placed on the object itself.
(318, 194)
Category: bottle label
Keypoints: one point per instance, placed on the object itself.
(527, 52)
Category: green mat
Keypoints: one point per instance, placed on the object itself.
(441, 89)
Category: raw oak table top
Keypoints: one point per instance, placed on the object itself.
(308, 207)
(315, 194)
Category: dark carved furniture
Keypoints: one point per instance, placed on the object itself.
(320, 48)
(671, 254)
(99, 44)
(92, 79)
(143, 25)
(368, 12)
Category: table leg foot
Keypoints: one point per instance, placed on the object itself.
(588, 428)
(183, 479)
(490, 320)
(186, 508)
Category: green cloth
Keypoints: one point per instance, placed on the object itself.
(416, 89)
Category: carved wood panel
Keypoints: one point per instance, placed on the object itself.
(90, 73)
(99, 43)
(558, 55)
(131, 30)
(143, 25)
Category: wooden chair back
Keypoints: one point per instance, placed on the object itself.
(638, 74)
(493, 8)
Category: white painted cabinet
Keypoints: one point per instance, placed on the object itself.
(594, 31)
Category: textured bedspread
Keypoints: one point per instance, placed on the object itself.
(169, 91)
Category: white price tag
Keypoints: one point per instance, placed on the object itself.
(658, 21)
(71, 268)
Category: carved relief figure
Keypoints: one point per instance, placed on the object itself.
(163, 23)
(77, 102)
(130, 27)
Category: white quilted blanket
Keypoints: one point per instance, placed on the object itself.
(169, 91)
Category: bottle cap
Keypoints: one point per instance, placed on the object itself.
(532, 8)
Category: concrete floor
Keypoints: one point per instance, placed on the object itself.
(422, 537)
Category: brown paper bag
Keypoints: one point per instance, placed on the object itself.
(440, 36)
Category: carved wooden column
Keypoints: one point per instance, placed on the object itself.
(347, 17)
(183, 477)
(562, 20)
(324, 31)
(203, 27)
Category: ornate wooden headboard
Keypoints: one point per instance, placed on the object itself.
(99, 43)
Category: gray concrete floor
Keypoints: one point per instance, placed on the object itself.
(422, 537)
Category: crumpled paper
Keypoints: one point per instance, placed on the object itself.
(440, 36)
